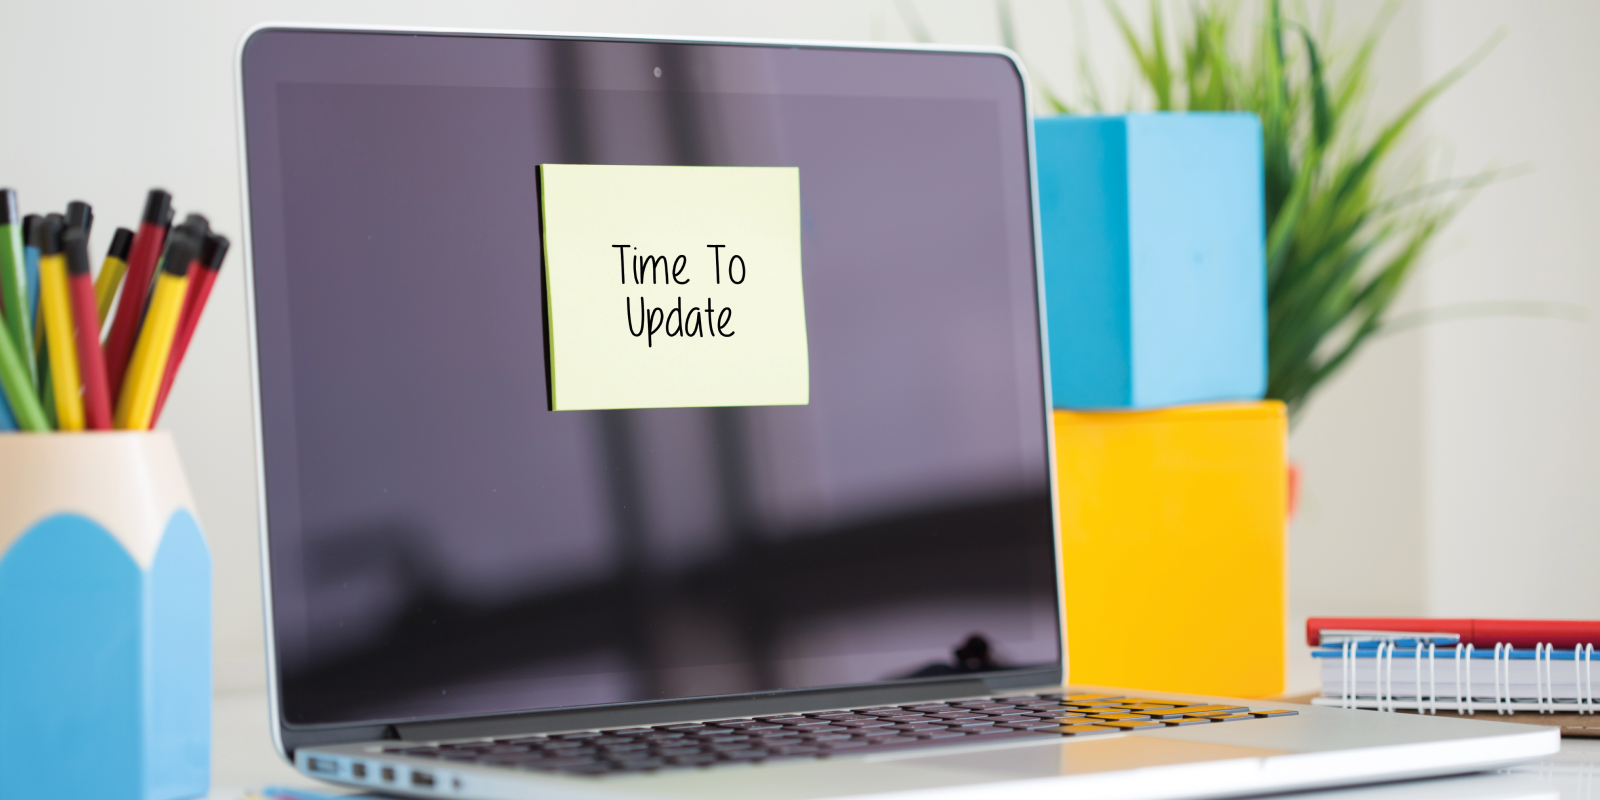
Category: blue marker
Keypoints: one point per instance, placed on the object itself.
(7, 421)
(30, 257)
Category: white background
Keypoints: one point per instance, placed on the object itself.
(1448, 471)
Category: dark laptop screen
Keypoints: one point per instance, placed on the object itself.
(443, 544)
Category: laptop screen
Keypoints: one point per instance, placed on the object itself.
(441, 543)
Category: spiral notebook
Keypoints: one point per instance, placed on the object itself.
(1456, 665)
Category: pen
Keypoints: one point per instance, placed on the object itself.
(201, 279)
(13, 268)
(80, 215)
(142, 256)
(136, 402)
(36, 286)
(18, 386)
(30, 263)
(111, 272)
(57, 312)
(91, 363)
(41, 358)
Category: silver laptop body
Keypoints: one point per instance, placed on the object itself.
(461, 583)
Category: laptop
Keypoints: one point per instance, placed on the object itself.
(472, 595)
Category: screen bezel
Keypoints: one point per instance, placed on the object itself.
(287, 737)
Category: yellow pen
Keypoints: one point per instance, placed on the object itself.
(55, 307)
(111, 271)
(142, 384)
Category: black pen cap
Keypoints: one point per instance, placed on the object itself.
(197, 225)
(76, 244)
(30, 230)
(80, 215)
(121, 244)
(214, 251)
(13, 212)
(182, 248)
(157, 207)
(50, 235)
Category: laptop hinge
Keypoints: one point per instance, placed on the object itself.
(661, 713)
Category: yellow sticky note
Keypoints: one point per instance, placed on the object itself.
(670, 287)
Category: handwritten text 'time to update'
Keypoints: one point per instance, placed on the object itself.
(676, 321)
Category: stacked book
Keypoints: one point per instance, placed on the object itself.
(1458, 665)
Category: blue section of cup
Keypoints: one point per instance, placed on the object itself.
(105, 668)
(1154, 257)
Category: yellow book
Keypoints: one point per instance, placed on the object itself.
(1172, 540)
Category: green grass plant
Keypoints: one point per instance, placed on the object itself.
(1346, 222)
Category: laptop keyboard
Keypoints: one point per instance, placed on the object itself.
(822, 734)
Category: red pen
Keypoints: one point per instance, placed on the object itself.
(202, 275)
(86, 323)
(141, 269)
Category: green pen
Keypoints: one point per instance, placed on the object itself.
(18, 387)
(12, 285)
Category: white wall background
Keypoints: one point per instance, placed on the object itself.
(1445, 471)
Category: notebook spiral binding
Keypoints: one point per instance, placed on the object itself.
(1425, 698)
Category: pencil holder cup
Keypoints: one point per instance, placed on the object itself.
(105, 620)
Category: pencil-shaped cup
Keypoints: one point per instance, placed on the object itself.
(105, 620)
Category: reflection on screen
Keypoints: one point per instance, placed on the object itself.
(442, 543)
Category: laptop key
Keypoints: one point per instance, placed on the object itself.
(555, 763)
(1273, 713)
(1184, 710)
(1030, 725)
(1185, 721)
(694, 759)
(643, 764)
(1129, 724)
(1229, 717)
(1080, 730)
(680, 751)
(797, 749)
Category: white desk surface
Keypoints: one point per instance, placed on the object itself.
(243, 760)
